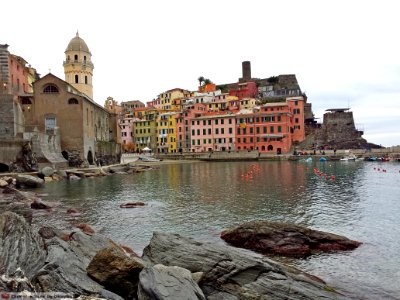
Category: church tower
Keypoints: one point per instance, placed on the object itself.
(78, 67)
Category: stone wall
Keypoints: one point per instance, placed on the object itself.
(10, 151)
(338, 131)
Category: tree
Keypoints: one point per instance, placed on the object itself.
(201, 80)
(207, 81)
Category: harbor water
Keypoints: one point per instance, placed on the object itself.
(360, 201)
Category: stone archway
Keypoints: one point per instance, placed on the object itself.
(4, 168)
(90, 157)
(65, 154)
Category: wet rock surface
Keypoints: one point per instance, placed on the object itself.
(285, 239)
(231, 273)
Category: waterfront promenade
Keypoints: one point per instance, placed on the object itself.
(391, 152)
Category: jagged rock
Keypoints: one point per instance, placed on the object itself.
(164, 283)
(116, 271)
(66, 263)
(20, 247)
(285, 239)
(231, 273)
(29, 181)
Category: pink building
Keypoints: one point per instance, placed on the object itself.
(126, 133)
(183, 125)
(213, 132)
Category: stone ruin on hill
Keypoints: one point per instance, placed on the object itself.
(337, 131)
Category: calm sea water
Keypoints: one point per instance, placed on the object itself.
(201, 199)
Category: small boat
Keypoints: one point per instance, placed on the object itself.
(349, 158)
(322, 159)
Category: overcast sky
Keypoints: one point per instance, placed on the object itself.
(344, 53)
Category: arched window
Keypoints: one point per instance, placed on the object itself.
(270, 148)
(76, 57)
(76, 79)
(73, 101)
(86, 81)
(26, 100)
(50, 89)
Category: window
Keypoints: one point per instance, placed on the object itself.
(26, 101)
(76, 79)
(76, 57)
(230, 121)
(209, 130)
(222, 131)
(204, 131)
(50, 124)
(86, 80)
(50, 89)
(222, 122)
(73, 101)
(230, 130)
(216, 131)
(271, 129)
(279, 129)
(296, 120)
(216, 122)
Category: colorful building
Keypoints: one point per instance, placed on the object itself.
(166, 132)
(243, 90)
(213, 132)
(183, 125)
(145, 129)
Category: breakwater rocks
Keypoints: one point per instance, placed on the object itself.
(273, 238)
(172, 267)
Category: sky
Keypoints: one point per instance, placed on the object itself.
(345, 54)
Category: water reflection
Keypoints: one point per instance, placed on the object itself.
(202, 199)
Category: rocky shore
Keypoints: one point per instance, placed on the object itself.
(87, 265)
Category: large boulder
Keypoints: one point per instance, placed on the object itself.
(232, 274)
(66, 263)
(29, 181)
(168, 283)
(47, 171)
(285, 239)
(116, 271)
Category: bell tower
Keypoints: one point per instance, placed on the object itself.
(78, 66)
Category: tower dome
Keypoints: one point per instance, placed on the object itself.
(77, 44)
(78, 66)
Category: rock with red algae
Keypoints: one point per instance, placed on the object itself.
(85, 228)
(272, 238)
(132, 204)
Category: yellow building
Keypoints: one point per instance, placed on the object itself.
(78, 66)
(166, 132)
(145, 130)
(247, 103)
(167, 98)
